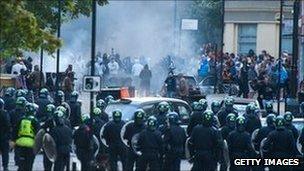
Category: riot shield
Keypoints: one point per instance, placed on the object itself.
(253, 137)
(134, 144)
(262, 152)
(68, 108)
(49, 147)
(38, 141)
(96, 145)
(299, 147)
(226, 153)
(104, 142)
(187, 149)
(122, 133)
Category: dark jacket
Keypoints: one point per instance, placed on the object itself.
(150, 142)
(174, 141)
(5, 125)
(42, 102)
(131, 130)
(239, 145)
(111, 133)
(262, 133)
(195, 119)
(253, 122)
(63, 137)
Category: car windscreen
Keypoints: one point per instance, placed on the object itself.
(126, 109)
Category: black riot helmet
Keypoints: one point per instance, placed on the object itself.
(250, 109)
(20, 102)
(240, 123)
(10, 92)
(139, 116)
(50, 109)
(20, 93)
(229, 102)
(74, 96)
(288, 117)
(109, 99)
(215, 106)
(44, 93)
(230, 120)
(173, 118)
(196, 106)
(279, 122)
(269, 107)
(1, 104)
(270, 119)
(30, 109)
(101, 104)
(163, 107)
(60, 96)
(204, 104)
(207, 118)
(59, 117)
(152, 123)
(117, 115)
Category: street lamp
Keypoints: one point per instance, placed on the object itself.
(280, 58)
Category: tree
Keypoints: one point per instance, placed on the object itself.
(29, 25)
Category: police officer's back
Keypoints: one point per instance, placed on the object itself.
(264, 131)
(174, 142)
(5, 135)
(62, 136)
(163, 109)
(42, 102)
(101, 104)
(288, 117)
(229, 127)
(196, 116)
(225, 110)
(206, 142)
(253, 121)
(75, 106)
(239, 144)
(83, 139)
(150, 144)
(9, 99)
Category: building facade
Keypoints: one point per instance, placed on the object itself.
(255, 25)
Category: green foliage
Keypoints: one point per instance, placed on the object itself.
(30, 24)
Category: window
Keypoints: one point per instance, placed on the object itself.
(247, 34)
(287, 35)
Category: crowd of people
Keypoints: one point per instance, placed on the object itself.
(156, 142)
(254, 74)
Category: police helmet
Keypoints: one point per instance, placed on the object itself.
(152, 123)
(30, 109)
(215, 106)
(240, 123)
(207, 118)
(20, 93)
(59, 114)
(20, 102)
(204, 103)
(229, 102)
(279, 122)
(60, 95)
(250, 108)
(62, 109)
(288, 117)
(50, 108)
(173, 118)
(270, 119)
(139, 116)
(231, 119)
(74, 96)
(43, 92)
(269, 107)
(96, 111)
(85, 118)
(1, 104)
(10, 91)
(117, 115)
(101, 104)
(163, 107)
(109, 99)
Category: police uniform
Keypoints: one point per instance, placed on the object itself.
(5, 135)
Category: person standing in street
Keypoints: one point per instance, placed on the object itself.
(101, 104)
(5, 135)
(145, 77)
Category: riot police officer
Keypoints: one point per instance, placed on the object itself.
(253, 121)
(226, 109)
(239, 144)
(131, 129)
(215, 107)
(196, 116)
(163, 109)
(47, 126)
(9, 99)
(75, 106)
(109, 99)
(206, 142)
(59, 98)
(62, 135)
(24, 137)
(65, 115)
(174, 141)
(42, 101)
(85, 149)
(279, 144)
(101, 104)
(150, 144)
(111, 134)
(5, 134)
(21, 93)
(229, 127)
(288, 117)
(264, 131)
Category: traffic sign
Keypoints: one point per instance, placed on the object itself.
(91, 83)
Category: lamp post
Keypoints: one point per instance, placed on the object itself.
(58, 50)
(280, 58)
(93, 45)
